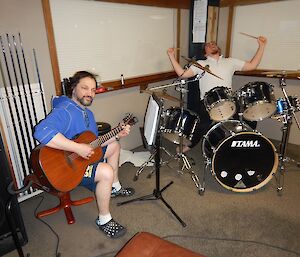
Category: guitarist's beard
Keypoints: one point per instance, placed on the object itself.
(85, 100)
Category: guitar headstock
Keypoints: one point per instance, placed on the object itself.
(130, 119)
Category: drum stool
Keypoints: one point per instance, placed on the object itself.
(145, 244)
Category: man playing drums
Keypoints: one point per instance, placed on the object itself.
(217, 64)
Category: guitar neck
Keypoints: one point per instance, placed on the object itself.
(102, 139)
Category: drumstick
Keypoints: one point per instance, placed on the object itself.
(245, 34)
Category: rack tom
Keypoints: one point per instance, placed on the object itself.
(219, 103)
(257, 100)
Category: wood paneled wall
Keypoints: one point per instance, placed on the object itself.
(180, 4)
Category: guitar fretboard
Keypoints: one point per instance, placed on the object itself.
(100, 140)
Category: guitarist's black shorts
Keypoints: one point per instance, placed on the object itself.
(88, 180)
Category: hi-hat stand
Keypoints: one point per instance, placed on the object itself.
(183, 160)
(157, 192)
(287, 123)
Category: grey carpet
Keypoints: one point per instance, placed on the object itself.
(220, 223)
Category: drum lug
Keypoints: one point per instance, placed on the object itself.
(259, 133)
(232, 133)
(207, 162)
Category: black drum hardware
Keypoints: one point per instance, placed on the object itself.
(239, 157)
(285, 112)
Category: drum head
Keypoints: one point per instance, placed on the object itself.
(244, 162)
(259, 111)
(222, 110)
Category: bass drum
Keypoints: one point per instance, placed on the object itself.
(242, 160)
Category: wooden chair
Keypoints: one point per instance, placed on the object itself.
(65, 201)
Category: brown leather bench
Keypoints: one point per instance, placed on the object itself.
(145, 244)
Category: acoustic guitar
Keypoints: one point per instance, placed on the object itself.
(62, 170)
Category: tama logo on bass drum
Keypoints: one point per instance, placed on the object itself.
(245, 143)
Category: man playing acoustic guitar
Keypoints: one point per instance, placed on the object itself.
(71, 117)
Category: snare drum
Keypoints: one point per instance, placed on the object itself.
(241, 159)
(257, 100)
(176, 125)
(219, 103)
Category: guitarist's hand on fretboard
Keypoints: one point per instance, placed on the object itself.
(125, 132)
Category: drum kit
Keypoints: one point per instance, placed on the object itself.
(239, 157)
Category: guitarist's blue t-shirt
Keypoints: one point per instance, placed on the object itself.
(67, 118)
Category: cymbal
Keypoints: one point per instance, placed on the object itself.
(198, 65)
(281, 73)
(162, 94)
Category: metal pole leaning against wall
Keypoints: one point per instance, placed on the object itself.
(28, 80)
(8, 101)
(23, 85)
(25, 142)
(40, 83)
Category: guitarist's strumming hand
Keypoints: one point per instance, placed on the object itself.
(85, 150)
(60, 142)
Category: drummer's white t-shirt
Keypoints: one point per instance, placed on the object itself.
(224, 68)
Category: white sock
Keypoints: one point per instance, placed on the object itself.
(104, 218)
(117, 185)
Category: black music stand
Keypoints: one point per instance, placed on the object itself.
(154, 140)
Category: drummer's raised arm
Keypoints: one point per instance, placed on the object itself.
(177, 67)
(251, 65)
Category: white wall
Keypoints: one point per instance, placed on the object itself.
(27, 18)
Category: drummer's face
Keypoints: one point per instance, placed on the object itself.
(211, 48)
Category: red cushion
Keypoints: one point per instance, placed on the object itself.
(145, 244)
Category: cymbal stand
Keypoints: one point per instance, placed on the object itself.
(183, 161)
(287, 123)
